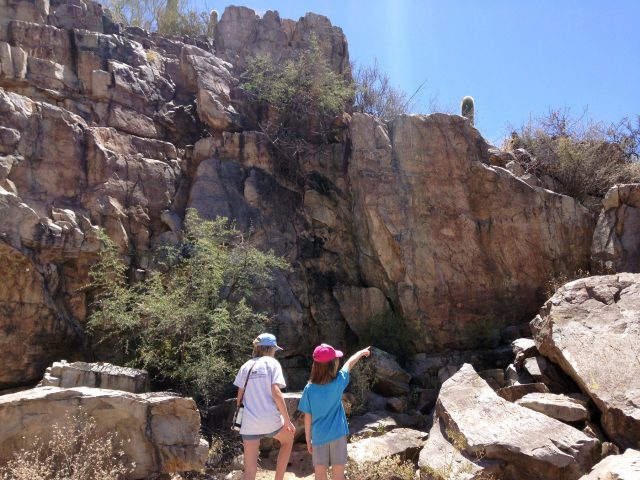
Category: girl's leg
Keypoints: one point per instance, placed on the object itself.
(320, 471)
(251, 451)
(286, 443)
(337, 472)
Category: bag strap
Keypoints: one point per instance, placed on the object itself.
(247, 381)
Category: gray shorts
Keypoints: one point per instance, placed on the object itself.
(332, 453)
(262, 435)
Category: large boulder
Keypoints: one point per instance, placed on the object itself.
(444, 457)
(615, 240)
(617, 467)
(159, 433)
(591, 329)
(532, 445)
(460, 247)
(401, 442)
(390, 379)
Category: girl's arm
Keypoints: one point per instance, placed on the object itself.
(239, 397)
(307, 431)
(278, 398)
(349, 364)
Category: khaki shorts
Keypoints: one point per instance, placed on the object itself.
(332, 453)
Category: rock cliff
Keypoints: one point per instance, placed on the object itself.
(107, 127)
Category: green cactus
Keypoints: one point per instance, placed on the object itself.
(468, 109)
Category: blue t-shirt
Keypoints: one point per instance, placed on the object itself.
(324, 403)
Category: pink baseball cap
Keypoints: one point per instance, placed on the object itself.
(325, 353)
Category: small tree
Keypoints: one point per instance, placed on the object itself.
(190, 324)
(303, 92)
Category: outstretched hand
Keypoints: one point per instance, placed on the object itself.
(365, 352)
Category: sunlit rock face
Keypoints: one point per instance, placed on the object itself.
(113, 128)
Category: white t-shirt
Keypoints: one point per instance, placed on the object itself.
(261, 415)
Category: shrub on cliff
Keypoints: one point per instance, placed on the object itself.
(304, 94)
(375, 94)
(167, 17)
(190, 324)
(583, 157)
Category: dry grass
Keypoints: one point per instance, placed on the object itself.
(74, 452)
(387, 469)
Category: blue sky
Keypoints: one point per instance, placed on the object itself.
(517, 58)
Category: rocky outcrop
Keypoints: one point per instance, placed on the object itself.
(104, 127)
(532, 445)
(96, 375)
(615, 241)
(389, 377)
(617, 467)
(161, 432)
(435, 227)
(591, 328)
(241, 34)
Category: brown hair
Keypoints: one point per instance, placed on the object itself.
(324, 372)
(263, 350)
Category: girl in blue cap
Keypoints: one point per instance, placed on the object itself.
(325, 421)
(265, 412)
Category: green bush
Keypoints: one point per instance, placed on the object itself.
(190, 324)
(584, 158)
(302, 92)
(392, 333)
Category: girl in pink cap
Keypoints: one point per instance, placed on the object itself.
(325, 421)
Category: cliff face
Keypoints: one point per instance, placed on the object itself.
(123, 130)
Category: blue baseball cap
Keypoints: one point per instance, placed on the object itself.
(268, 340)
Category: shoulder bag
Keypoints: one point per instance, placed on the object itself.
(237, 416)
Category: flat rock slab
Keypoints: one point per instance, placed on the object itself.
(97, 375)
(160, 433)
(532, 445)
(591, 329)
(402, 442)
(560, 407)
(514, 392)
(617, 467)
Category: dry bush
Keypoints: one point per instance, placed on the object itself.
(386, 469)
(362, 379)
(584, 157)
(167, 17)
(74, 452)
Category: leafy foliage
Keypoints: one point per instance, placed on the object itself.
(303, 91)
(190, 324)
(74, 452)
(585, 158)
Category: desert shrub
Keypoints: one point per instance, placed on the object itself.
(302, 92)
(74, 452)
(375, 94)
(557, 281)
(362, 379)
(190, 323)
(584, 157)
(167, 17)
(391, 468)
